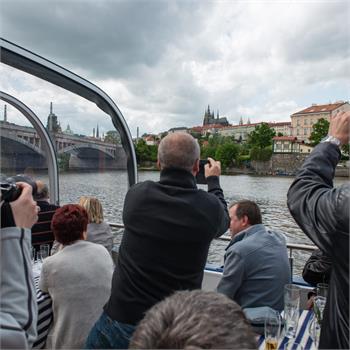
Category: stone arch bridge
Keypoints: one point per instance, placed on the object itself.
(21, 148)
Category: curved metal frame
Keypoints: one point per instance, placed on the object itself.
(45, 138)
(22, 59)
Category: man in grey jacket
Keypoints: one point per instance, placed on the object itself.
(256, 260)
(18, 308)
(322, 212)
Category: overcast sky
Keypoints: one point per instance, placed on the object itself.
(163, 62)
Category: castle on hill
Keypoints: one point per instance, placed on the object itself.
(209, 118)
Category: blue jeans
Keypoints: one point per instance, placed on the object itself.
(109, 334)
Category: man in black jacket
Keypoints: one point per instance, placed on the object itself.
(322, 212)
(169, 226)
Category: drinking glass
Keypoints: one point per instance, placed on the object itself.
(272, 330)
(315, 331)
(45, 250)
(292, 345)
(291, 309)
(319, 305)
(322, 289)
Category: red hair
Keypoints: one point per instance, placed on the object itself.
(68, 223)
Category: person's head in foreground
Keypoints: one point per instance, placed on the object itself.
(194, 320)
(69, 224)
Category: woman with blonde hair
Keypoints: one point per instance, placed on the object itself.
(98, 231)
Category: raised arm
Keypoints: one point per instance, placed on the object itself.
(317, 207)
(212, 173)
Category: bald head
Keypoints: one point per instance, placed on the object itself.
(178, 150)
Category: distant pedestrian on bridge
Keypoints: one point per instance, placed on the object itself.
(169, 226)
(322, 212)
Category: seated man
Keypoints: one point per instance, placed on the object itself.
(41, 231)
(194, 319)
(256, 264)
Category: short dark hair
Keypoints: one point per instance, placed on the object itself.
(250, 209)
(68, 223)
(192, 320)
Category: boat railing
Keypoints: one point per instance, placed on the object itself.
(291, 246)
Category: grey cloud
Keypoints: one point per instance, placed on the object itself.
(104, 37)
(324, 35)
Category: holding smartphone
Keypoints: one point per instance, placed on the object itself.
(200, 177)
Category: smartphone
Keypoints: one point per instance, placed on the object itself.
(200, 178)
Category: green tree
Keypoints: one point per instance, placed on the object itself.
(112, 136)
(262, 136)
(208, 151)
(226, 153)
(319, 131)
(143, 152)
(262, 154)
(153, 153)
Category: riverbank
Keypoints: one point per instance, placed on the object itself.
(339, 171)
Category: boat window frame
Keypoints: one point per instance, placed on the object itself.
(40, 67)
(47, 144)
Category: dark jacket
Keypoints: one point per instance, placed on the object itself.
(169, 226)
(318, 268)
(41, 231)
(322, 212)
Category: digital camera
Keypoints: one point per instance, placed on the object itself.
(10, 191)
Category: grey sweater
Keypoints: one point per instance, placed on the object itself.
(101, 234)
(78, 279)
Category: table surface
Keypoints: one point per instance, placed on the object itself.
(302, 336)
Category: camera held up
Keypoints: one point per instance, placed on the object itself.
(10, 191)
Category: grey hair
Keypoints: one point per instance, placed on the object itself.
(178, 150)
(194, 320)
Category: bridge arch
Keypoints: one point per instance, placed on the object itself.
(77, 149)
(24, 143)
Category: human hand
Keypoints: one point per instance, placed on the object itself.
(212, 168)
(310, 303)
(339, 127)
(24, 208)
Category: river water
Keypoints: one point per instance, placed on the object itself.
(270, 193)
